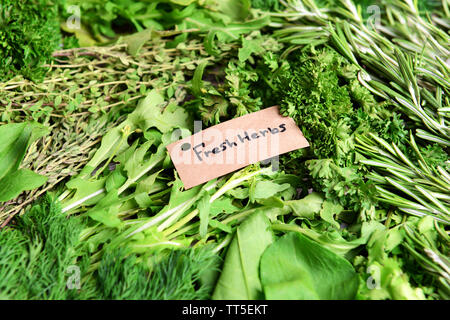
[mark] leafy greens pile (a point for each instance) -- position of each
(362, 213)
(29, 33)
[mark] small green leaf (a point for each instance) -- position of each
(219, 225)
(136, 40)
(197, 82)
(266, 189)
(86, 189)
(114, 180)
(105, 211)
(150, 113)
(13, 184)
(308, 206)
(249, 47)
(222, 205)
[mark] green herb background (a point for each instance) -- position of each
(85, 179)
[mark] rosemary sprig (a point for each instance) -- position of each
(414, 187)
(401, 52)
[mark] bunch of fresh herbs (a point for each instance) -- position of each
(29, 33)
(361, 214)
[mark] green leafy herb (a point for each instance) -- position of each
(294, 267)
(240, 274)
(14, 141)
(29, 33)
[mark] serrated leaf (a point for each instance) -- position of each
(150, 113)
(137, 166)
(222, 205)
(249, 47)
(329, 210)
(86, 189)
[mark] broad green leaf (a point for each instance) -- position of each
(83, 35)
(144, 187)
(394, 238)
(37, 131)
(308, 206)
(175, 135)
(275, 202)
(376, 243)
(143, 200)
(204, 212)
(332, 239)
(13, 154)
(425, 224)
(146, 184)
(9, 133)
(14, 141)
(297, 268)
(266, 189)
(238, 193)
(153, 135)
(14, 183)
(178, 197)
(239, 279)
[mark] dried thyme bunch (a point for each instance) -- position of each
(84, 95)
(57, 156)
(96, 79)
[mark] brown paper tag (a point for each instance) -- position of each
(234, 144)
